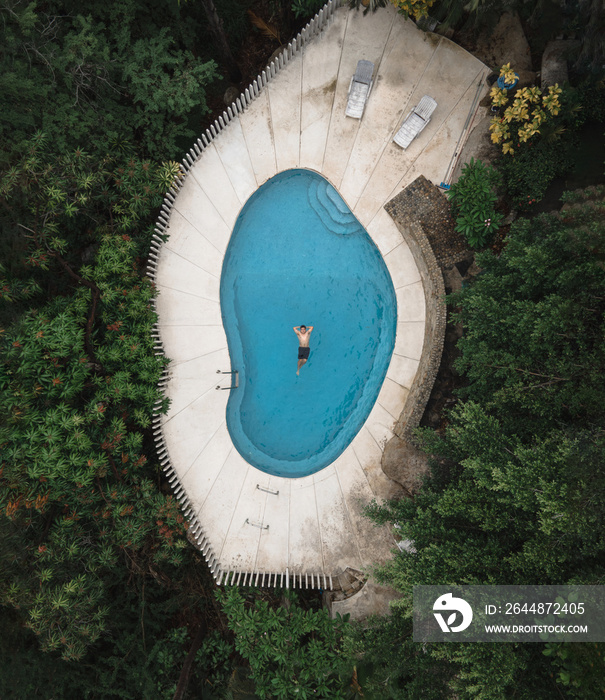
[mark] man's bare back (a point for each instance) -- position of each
(303, 334)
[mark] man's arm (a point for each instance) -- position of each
(309, 329)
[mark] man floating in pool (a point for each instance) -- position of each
(303, 334)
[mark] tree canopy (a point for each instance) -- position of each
(517, 491)
(101, 78)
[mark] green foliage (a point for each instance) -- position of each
(532, 348)
(78, 383)
(390, 665)
(474, 200)
(512, 513)
(528, 175)
(497, 671)
(141, 656)
(596, 192)
(61, 195)
(592, 97)
(305, 9)
(516, 493)
(17, 289)
(165, 86)
(579, 668)
(292, 652)
(72, 457)
(106, 77)
(213, 658)
(534, 162)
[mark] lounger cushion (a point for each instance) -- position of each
(357, 100)
(361, 84)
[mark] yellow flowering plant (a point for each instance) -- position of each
(500, 131)
(529, 110)
(508, 74)
(551, 101)
(499, 96)
(413, 8)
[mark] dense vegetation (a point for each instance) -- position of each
(517, 489)
(117, 75)
(473, 200)
(101, 595)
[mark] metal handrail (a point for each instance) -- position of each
(233, 386)
(267, 490)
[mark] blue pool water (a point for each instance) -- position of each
(297, 255)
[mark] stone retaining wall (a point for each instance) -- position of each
(422, 215)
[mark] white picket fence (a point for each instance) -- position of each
(283, 578)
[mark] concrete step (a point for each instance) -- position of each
(331, 209)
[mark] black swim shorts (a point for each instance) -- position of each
(303, 353)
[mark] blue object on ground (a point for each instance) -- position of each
(507, 86)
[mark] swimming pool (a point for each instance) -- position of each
(297, 255)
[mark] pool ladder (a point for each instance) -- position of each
(234, 380)
(256, 523)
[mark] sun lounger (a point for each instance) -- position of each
(415, 122)
(359, 89)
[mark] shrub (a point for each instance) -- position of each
(413, 8)
(537, 132)
(292, 652)
(303, 9)
(527, 176)
(474, 200)
(592, 96)
(417, 9)
(522, 119)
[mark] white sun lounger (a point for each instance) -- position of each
(359, 89)
(415, 122)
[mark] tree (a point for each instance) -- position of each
(516, 494)
(390, 665)
(106, 79)
(292, 652)
(532, 347)
(78, 384)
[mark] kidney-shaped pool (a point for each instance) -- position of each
(297, 255)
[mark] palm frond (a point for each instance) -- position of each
(269, 30)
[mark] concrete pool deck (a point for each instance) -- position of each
(248, 523)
